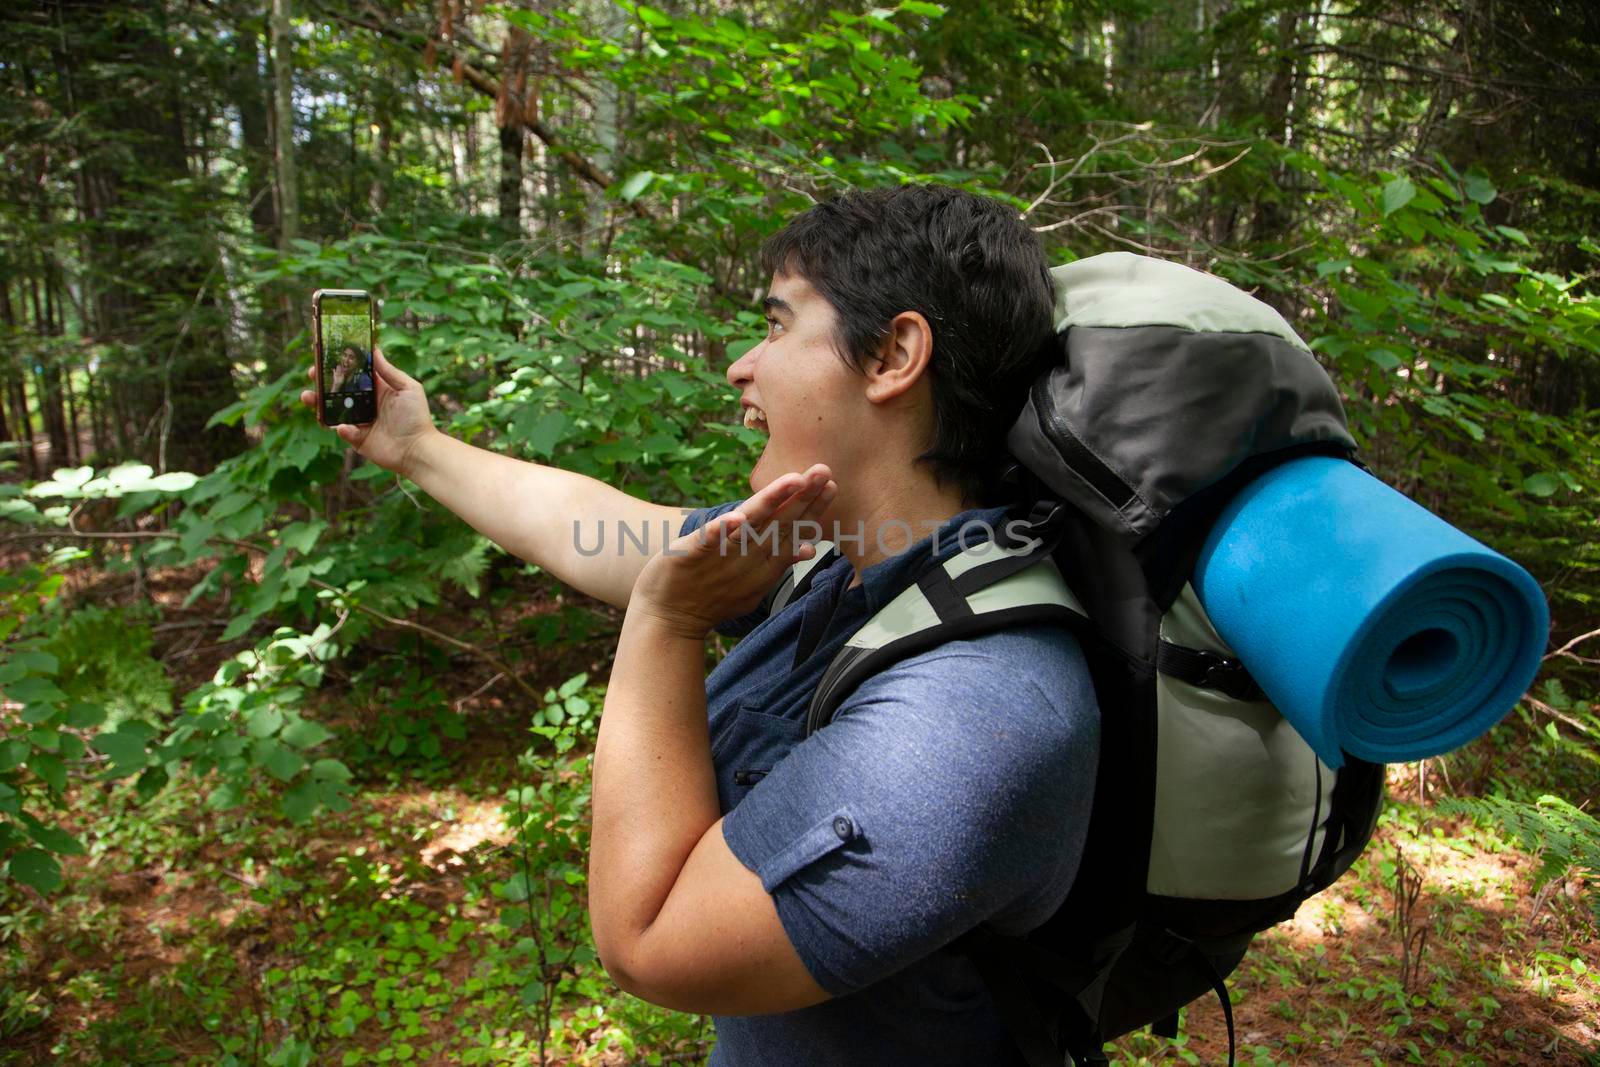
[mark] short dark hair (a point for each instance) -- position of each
(971, 267)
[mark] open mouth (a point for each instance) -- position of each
(755, 419)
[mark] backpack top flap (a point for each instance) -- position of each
(1170, 380)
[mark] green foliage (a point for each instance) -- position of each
(413, 724)
(1432, 316)
(46, 735)
(573, 708)
(1566, 838)
(245, 727)
(1453, 301)
(104, 659)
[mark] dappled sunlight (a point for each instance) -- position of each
(476, 823)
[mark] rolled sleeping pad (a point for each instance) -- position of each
(1374, 626)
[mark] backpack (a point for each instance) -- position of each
(1212, 818)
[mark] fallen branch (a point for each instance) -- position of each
(1566, 649)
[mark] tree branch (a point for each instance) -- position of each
(487, 85)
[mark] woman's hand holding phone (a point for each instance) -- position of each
(403, 420)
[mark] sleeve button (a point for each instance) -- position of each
(843, 828)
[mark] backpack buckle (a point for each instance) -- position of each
(1043, 522)
(1226, 675)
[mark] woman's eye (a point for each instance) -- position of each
(773, 326)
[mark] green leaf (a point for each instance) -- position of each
(34, 691)
(1514, 234)
(36, 661)
(56, 840)
(264, 721)
(651, 17)
(301, 536)
(84, 716)
(231, 504)
(37, 713)
(1383, 358)
(171, 482)
(303, 733)
(773, 118)
(635, 185)
(330, 770)
(541, 431)
(285, 763)
(1397, 194)
(13, 753)
(227, 795)
(50, 770)
(36, 867)
(19, 511)
(300, 801)
(1478, 187)
(302, 448)
(572, 685)
(1541, 484)
(916, 7)
(1332, 266)
(151, 781)
(125, 747)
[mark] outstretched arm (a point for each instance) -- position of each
(567, 523)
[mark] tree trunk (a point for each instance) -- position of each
(250, 97)
(169, 369)
(283, 128)
(17, 428)
(511, 107)
(18, 396)
(383, 119)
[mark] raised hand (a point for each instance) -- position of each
(723, 569)
(403, 419)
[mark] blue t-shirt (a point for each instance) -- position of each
(952, 789)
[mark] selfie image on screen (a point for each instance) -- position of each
(347, 345)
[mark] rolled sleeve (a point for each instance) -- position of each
(952, 789)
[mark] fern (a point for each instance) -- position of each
(1563, 836)
(106, 660)
(465, 568)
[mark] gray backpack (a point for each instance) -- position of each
(1212, 818)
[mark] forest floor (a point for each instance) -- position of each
(409, 928)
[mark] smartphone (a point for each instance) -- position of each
(345, 328)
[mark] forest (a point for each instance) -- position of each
(294, 763)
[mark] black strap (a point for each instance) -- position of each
(942, 594)
(817, 614)
(1221, 988)
(788, 590)
(986, 574)
(1311, 837)
(1016, 1003)
(852, 664)
(1208, 670)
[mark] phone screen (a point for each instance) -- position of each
(348, 389)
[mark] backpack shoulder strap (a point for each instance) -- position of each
(797, 579)
(982, 589)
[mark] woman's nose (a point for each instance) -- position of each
(741, 369)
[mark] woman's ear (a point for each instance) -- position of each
(903, 357)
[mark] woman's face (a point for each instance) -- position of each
(797, 388)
